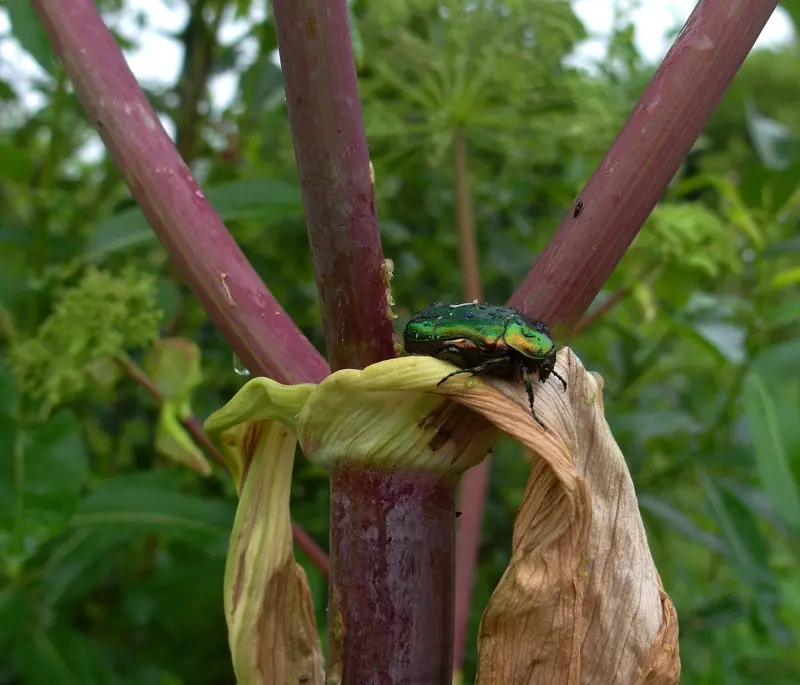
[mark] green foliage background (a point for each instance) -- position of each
(112, 554)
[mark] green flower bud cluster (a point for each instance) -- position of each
(693, 237)
(98, 318)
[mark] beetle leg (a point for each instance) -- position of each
(526, 378)
(563, 382)
(475, 369)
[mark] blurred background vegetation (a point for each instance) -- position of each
(113, 542)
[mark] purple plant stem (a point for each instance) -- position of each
(392, 534)
(391, 597)
(333, 163)
(568, 274)
(239, 304)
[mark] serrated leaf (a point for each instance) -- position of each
(772, 412)
(252, 198)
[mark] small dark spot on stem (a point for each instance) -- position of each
(578, 208)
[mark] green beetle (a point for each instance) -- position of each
(484, 339)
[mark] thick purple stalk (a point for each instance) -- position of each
(607, 215)
(391, 598)
(241, 307)
(330, 146)
(392, 534)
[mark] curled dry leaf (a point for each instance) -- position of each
(271, 627)
(581, 600)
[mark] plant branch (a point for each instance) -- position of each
(241, 307)
(302, 539)
(475, 482)
(199, 40)
(333, 164)
(608, 213)
(591, 318)
(468, 249)
(392, 533)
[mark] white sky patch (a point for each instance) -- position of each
(157, 59)
(654, 20)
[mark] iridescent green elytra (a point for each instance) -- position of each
(483, 338)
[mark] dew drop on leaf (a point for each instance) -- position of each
(239, 367)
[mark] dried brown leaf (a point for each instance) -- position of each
(581, 600)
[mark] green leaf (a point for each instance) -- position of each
(29, 32)
(786, 314)
(775, 143)
(756, 500)
(714, 614)
(792, 8)
(81, 561)
(144, 505)
(747, 546)
(355, 35)
(6, 92)
(15, 611)
(772, 408)
(252, 198)
(668, 514)
(688, 330)
(41, 475)
(728, 339)
(768, 188)
(750, 552)
(655, 424)
(17, 164)
(8, 392)
(781, 361)
(62, 656)
(783, 247)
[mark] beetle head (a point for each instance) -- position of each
(530, 342)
